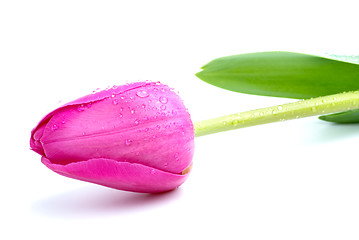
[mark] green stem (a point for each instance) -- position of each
(306, 108)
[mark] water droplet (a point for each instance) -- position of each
(235, 122)
(280, 108)
(122, 97)
(128, 142)
(146, 129)
(54, 127)
(158, 127)
(113, 95)
(143, 105)
(163, 100)
(115, 101)
(81, 108)
(174, 113)
(63, 122)
(132, 111)
(137, 121)
(163, 107)
(121, 115)
(153, 171)
(167, 126)
(121, 109)
(142, 93)
(314, 109)
(83, 133)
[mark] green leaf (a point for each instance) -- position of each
(281, 74)
(286, 74)
(343, 117)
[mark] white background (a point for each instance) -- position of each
(288, 180)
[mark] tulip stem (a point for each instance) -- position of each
(305, 108)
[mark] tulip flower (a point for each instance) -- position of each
(137, 137)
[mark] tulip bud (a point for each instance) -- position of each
(136, 137)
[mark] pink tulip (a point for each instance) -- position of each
(136, 137)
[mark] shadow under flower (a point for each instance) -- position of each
(96, 201)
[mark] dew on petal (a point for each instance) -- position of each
(142, 93)
(137, 121)
(163, 107)
(115, 101)
(163, 100)
(128, 142)
(81, 108)
(54, 127)
(132, 111)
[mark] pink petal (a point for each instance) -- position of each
(86, 100)
(119, 175)
(155, 130)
